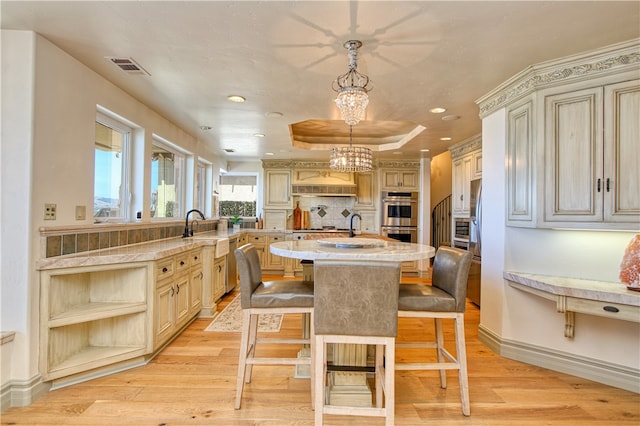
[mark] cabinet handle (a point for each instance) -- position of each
(611, 309)
(598, 185)
(460, 197)
(164, 269)
(178, 287)
(219, 268)
(607, 184)
(201, 275)
(172, 291)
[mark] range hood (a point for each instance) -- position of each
(323, 183)
(324, 190)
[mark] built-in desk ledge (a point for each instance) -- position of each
(601, 298)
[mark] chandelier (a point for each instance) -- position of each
(352, 88)
(351, 159)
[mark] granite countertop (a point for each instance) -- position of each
(154, 250)
(574, 287)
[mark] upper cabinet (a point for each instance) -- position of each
(572, 154)
(466, 159)
(365, 191)
(399, 175)
(277, 192)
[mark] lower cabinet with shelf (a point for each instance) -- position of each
(92, 317)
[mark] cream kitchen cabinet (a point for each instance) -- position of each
(173, 300)
(275, 219)
(219, 276)
(466, 158)
(591, 161)
(93, 316)
(365, 191)
(259, 241)
(274, 262)
(277, 193)
(399, 179)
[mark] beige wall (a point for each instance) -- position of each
(440, 177)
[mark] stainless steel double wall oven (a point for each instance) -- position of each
(400, 216)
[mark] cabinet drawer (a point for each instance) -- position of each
(196, 258)
(603, 309)
(275, 238)
(164, 268)
(257, 239)
(182, 262)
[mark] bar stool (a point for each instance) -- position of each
(356, 302)
(271, 297)
(445, 298)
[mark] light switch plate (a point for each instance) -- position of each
(81, 212)
(50, 211)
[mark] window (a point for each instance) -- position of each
(111, 173)
(200, 201)
(238, 195)
(167, 180)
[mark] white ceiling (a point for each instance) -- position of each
(283, 56)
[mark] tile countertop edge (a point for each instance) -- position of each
(574, 287)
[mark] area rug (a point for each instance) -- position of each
(230, 320)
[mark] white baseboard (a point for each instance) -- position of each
(20, 393)
(588, 368)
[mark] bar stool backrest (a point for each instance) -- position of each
(250, 272)
(356, 297)
(450, 273)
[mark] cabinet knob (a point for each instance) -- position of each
(164, 269)
(611, 309)
(195, 257)
(182, 263)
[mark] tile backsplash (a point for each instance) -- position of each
(327, 211)
(70, 242)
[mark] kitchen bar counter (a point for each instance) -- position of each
(606, 299)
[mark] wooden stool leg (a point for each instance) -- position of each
(320, 378)
(461, 354)
(389, 376)
(242, 359)
(253, 335)
(312, 365)
(378, 374)
(439, 349)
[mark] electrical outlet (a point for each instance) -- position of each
(50, 211)
(81, 212)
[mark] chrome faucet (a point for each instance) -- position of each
(351, 233)
(189, 232)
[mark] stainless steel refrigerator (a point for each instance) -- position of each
(475, 240)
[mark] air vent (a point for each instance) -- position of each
(229, 150)
(128, 65)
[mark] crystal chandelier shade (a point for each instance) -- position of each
(352, 88)
(351, 159)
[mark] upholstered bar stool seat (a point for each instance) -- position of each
(356, 302)
(271, 297)
(445, 298)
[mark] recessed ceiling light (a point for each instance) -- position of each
(445, 138)
(205, 128)
(451, 117)
(236, 98)
(424, 150)
(259, 135)
(269, 153)
(438, 110)
(274, 114)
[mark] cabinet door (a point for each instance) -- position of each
(520, 166)
(409, 179)
(273, 261)
(573, 156)
(275, 219)
(195, 294)
(163, 312)
(278, 189)
(182, 299)
(218, 278)
(390, 179)
(461, 178)
(365, 191)
(621, 179)
(476, 164)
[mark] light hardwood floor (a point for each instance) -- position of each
(192, 382)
